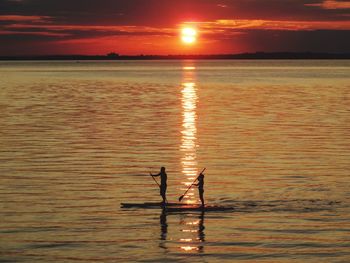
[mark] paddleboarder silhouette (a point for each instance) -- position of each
(163, 182)
(200, 185)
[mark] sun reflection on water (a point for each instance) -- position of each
(189, 248)
(189, 130)
(193, 228)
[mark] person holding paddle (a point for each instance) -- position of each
(163, 183)
(200, 185)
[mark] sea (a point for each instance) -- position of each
(78, 138)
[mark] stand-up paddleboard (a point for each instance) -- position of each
(207, 208)
(148, 205)
(177, 207)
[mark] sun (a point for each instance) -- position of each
(188, 35)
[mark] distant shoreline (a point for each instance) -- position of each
(257, 55)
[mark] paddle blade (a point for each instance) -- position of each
(181, 197)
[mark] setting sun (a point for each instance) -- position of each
(188, 35)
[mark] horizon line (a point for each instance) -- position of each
(246, 55)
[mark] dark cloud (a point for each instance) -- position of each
(163, 13)
(298, 41)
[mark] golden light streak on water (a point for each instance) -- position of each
(193, 223)
(189, 231)
(189, 248)
(189, 130)
(186, 239)
(193, 228)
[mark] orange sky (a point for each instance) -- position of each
(153, 27)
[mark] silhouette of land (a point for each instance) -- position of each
(257, 55)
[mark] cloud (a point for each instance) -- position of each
(169, 12)
(33, 33)
(332, 4)
(244, 24)
(79, 32)
(223, 28)
(23, 18)
(131, 29)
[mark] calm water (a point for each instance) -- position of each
(77, 139)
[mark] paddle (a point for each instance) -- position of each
(154, 179)
(181, 197)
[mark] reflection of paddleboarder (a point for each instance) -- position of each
(201, 234)
(163, 184)
(163, 225)
(163, 229)
(201, 187)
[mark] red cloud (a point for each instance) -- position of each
(221, 26)
(126, 29)
(48, 34)
(19, 18)
(332, 4)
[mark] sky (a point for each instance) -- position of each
(134, 27)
